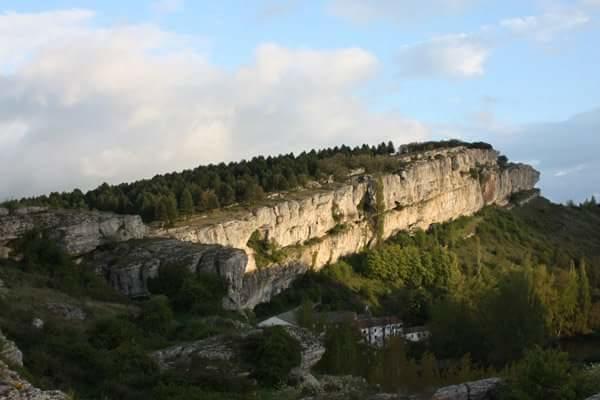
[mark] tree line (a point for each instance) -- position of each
(168, 196)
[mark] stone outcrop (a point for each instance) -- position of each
(479, 390)
(13, 387)
(10, 352)
(128, 266)
(77, 231)
(319, 226)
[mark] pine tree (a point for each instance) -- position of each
(186, 203)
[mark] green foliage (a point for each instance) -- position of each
(165, 197)
(266, 252)
(45, 258)
(344, 352)
(272, 354)
(196, 293)
(157, 316)
(186, 202)
(438, 145)
(542, 374)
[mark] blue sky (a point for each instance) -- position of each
(96, 91)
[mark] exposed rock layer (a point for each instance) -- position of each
(479, 390)
(78, 232)
(319, 227)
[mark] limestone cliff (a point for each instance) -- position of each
(318, 227)
(77, 231)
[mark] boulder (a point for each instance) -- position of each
(67, 311)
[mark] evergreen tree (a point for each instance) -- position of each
(186, 203)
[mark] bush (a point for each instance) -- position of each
(157, 315)
(542, 374)
(199, 293)
(273, 354)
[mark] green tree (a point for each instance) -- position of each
(186, 203)
(342, 351)
(273, 354)
(512, 311)
(542, 374)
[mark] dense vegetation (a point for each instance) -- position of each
(169, 196)
(497, 290)
(107, 355)
(490, 288)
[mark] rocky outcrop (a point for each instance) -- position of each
(479, 390)
(318, 227)
(9, 351)
(67, 311)
(128, 266)
(77, 231)
(596, 397)
(13, 387)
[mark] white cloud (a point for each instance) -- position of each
(127, 102)
(548, 26)
(451, 56)
(168, 6)
(570, 170)
(364, 11)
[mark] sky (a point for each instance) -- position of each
(113, 91)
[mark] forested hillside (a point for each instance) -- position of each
(166, 197)
(490, 287)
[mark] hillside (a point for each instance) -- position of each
(90, 331)
(262, 247)
(449, 237)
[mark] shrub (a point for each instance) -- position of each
(273, 354)
(542, 374)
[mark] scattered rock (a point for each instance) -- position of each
(37, 323)
(67, 311)
(596, 397)
(479, 390)
(4, 211)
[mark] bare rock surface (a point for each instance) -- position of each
(13, 387)
(77, 231)
(479, 390)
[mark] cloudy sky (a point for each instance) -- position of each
(94, 91)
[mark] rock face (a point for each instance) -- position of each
(320, 226)
(479, 390)
(78, 232)
(128, 266)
